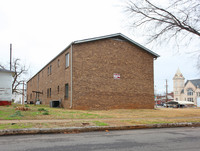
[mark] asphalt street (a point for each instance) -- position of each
(165, 139)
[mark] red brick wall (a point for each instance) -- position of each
(94, 87)
(60, 75)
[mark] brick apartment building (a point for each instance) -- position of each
(107, 72)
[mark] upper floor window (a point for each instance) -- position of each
(49, 70)
(198, 93)
(189, 91)
(67, 60)
(58, 62)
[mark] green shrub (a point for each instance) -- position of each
(41, 109)
(46, 113)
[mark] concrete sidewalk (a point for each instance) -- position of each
(92, 128)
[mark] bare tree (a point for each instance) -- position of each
(19, 70)
(178, 19)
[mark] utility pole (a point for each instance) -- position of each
(166, 91)
(10, 57)
(23, 94)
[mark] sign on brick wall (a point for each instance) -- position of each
(116, 75)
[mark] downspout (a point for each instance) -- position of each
(71, 76)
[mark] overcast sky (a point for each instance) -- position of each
(41, 29)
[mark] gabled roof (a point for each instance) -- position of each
(195, 82)
(119, 36)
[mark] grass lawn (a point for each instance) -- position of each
(91, 117)
(38, 113)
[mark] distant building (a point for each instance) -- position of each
(162, 99)
(186, 91)
(6, 78)
(107, 72)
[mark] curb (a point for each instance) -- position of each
(92, 128)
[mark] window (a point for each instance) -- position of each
(66, 91)
(58, 62)
(58, 88)
(198, 93)
(48, 71)
(189, 91)
(49, 92)
(190, 99)
(67, 60)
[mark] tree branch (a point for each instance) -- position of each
(150, 15)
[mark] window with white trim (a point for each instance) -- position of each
(190, 99)
(67, 60)
(189, 92)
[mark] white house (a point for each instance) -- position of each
(6, 78)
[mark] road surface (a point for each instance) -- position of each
(166, 139)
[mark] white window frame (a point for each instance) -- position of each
(190, 92)
(67, 60)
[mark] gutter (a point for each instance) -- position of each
(71, 101)
(92, 128)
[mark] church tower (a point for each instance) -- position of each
(178, 85)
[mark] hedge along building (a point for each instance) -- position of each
(107, 72)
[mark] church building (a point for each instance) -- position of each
(186, 91)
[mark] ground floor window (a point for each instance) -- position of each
(58, 89)
(66, 90)
(49, 93)
(190, 99)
